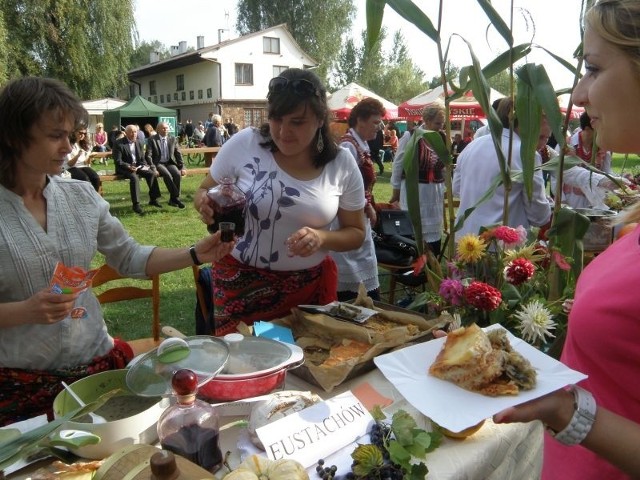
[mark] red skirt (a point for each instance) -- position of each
(26, 394)
(243, 293)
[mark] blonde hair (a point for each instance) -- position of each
(618, 23)
(99, 125)
(431, 111)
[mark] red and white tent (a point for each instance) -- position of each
(563, 101)
(343, 100)
(464, 107)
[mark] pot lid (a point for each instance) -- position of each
(151, 374)
(595, 212)
(254, 356)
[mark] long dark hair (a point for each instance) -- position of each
(286, 101)
(22, 104)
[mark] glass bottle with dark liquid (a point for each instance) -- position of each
(190, 428)
(228, 205)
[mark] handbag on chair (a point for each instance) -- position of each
(393, 239)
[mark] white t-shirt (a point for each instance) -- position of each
(477, 168)
(278, 204)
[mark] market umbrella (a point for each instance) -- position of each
(464, 107)
(563, 101)
(343, 100)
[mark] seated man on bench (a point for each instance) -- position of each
(163, 152)
(130, 163)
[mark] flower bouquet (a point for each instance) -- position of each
(498, 276)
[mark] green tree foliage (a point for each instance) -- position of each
(85, 43)
(392, 74)
(141, 54)
(450, 71)
(501, 82)
(3, 49)
(347, 68)
(317, 26)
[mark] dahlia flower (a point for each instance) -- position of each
(482, 296)
(471, 248)
(536, 322)
(518, 271)
(451, 291)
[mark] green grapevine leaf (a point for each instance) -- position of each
(399, 455)
(367, 458)
(435, 441)
(402, 425)
(418, 472)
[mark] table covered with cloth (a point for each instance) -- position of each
(495, 452)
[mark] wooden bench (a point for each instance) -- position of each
(190, 171)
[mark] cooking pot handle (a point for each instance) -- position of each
(297, 356)
(73, 439)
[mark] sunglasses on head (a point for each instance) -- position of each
(82, 133)
(301, 87)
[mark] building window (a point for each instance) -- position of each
(161, 98)
(179, 83)
(278, 69)
(271, 45)
(149, 98)
(184, 95)
(254, 117)
(175, 96)
(209, 93)
(155, 99)
(168, 97)
(200, 94)
(244, 74)
(152, 87)
(191, 95)
(132, 91)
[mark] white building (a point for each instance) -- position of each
(229, 78)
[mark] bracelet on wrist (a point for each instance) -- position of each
(194, 256)
(582, 420)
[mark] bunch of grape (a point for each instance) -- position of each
(380, 435)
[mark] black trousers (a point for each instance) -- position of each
(134, 184)
(171, 176)
(86, 174)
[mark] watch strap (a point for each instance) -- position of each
(582, 420)
(194, 257)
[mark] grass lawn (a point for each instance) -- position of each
(169, 227)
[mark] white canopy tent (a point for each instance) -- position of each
(95, 108)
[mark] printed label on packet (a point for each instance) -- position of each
(71, 280)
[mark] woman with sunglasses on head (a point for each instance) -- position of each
(78, 162)
(603, 414)
(47, 335)
(296, 181)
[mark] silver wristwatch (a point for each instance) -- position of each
(582, 420)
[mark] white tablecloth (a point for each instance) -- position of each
(495, 452)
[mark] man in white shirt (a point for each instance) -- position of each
(477, 168)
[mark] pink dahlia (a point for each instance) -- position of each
(451, 291)
(483, 296)
(519, 271)
(508, 235)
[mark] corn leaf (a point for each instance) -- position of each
(34, 440)
(410, 12)
(375, 12)
(496, 21)
(529, 114)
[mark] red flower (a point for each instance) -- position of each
(519, 271)
(419, 263)
(506, 234)
(560, 260)
(482, 296)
